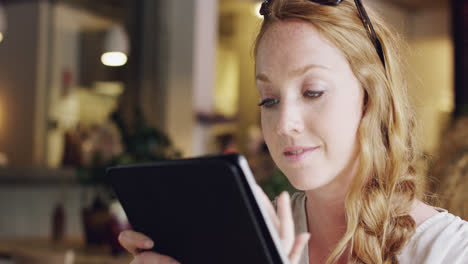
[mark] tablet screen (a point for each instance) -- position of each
(198, 210)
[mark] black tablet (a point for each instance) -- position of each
(199, 210)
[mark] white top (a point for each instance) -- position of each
(442, 238)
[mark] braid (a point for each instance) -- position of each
(388, 182)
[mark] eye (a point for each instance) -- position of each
(269, 102)
(313, 94)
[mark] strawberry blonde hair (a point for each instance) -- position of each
(388, 181)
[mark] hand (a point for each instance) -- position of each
(135, 242)
(284, 224)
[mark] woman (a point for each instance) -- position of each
(336, 119)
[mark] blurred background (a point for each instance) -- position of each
(89, 84)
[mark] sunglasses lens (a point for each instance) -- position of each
(326, 2)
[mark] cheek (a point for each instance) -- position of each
(266, 127)
(335, 121)
(268, 130)
(343, 119)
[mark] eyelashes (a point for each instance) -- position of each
(269, 102)
(313, 94)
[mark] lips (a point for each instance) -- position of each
(297, 153)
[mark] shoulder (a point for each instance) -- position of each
(420, 212)
(441, 238)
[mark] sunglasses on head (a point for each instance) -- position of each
(265, 10)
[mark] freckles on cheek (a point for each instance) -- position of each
(267, 130)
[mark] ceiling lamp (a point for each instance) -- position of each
(115, 47)
(3, 22)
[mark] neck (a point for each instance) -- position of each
(325, 208)
(326, 219)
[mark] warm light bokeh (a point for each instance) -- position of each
(114, 58)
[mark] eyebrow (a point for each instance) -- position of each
(297, 72)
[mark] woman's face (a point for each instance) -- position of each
(312, 104)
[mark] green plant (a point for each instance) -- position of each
(141, 144)
(276, 184)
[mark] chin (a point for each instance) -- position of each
(307, 180)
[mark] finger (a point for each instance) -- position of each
(268, 206)
(286, 221)
(299, 244)
(153, 258)
(133, 241)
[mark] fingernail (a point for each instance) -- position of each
(148, 243)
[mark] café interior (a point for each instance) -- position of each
(86, 84)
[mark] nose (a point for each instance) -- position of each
(290, 121)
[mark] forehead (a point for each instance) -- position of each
(292, 43)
